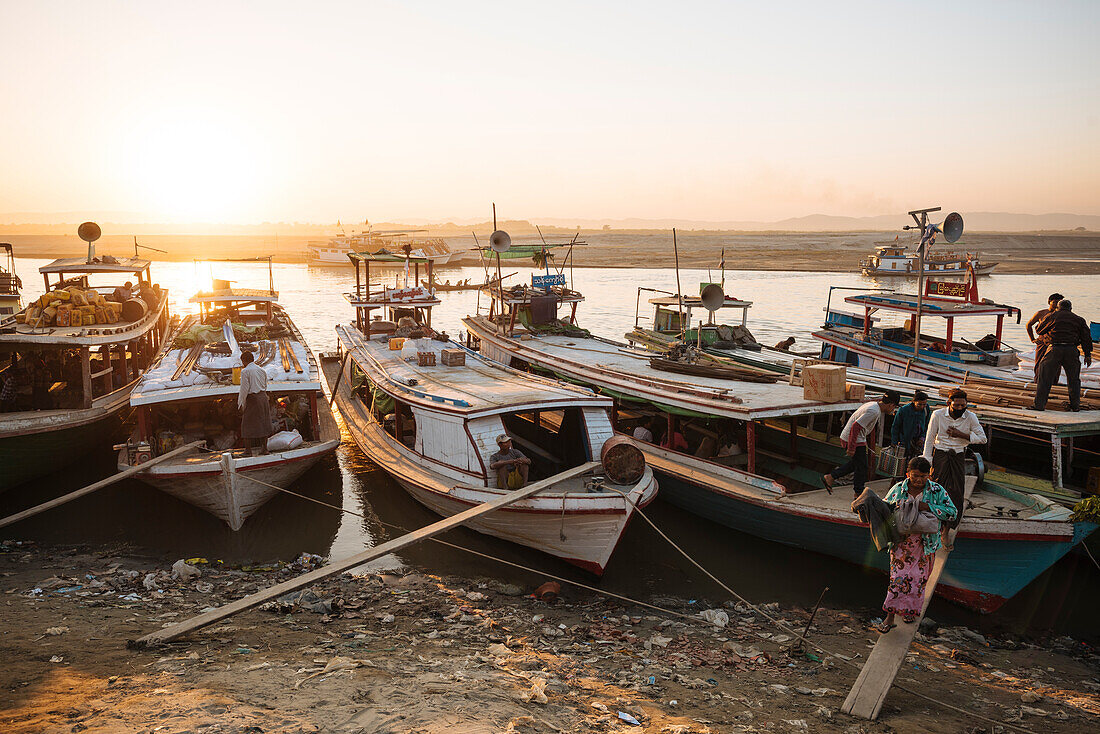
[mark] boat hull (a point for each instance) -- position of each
(984, 570)
(27, 456)
(234, 487)
(580, 528)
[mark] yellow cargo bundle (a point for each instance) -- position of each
(78, 297)
(87, 314)
(61, 295)
(64, 316)
(76, 318)
(48, 314)
(114, 312)
(97, 298)
(101, 314)
(21, 317)
(32, 313)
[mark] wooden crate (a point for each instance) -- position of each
(453, 357)
(824, 383)
(425, 359)
(854, 391)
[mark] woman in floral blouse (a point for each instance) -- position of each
(911, 559)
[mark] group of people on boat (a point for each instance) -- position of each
(933, 445)
(1058, 334)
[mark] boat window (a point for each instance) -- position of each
(554, 440)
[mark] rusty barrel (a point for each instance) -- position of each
(622, 460)
(134, 310)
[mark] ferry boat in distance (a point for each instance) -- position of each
(334, 252)
(894, 260)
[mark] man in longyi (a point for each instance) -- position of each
(951, 429)
(1067, 333)
(256, 411)
(1041, 342)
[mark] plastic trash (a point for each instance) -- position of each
(716, 617)
(537, 692)
(284, 441)
(181, 569)
(548, 592)
(629, 719)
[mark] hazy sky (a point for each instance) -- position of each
(251, 111)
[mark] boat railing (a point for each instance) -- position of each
(829, 299)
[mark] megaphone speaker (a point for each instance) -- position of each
(712, 297)
(952, 227)
(500, 241)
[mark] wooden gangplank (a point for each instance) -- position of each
(31, 511)
(882, 666)
(190, 625)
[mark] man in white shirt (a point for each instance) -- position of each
(252, 401)
(859, 435)
(950, 430)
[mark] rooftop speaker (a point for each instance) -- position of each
(952, 227)
(500, 241)
(89, 232)
(712, 297)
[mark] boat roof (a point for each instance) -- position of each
(931, 306)
(157, 385)
(478, 387)
(627, 371)
(697, 302)
(235, 294)
(98, 265)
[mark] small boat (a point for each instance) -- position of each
(10, 285)
(429, 412)
(853, 337)
(189, 394)
(334, 251)
(751, 456)
(893, 260)
(76, 357)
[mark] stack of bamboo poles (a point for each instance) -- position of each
(724, 368)
(987, 391)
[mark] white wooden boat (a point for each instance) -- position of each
(176, 404)
(334, 251)
(893, 260)
(434, 428)
(91, 368)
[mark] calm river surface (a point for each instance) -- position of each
(786, 304)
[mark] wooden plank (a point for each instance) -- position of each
(181, 628)
(882, 666)
(11, 519)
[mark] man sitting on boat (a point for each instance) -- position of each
(510, 464)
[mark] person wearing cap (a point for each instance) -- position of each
(1042, 343)
(510, 464)
(1067, 331)
(910, 424)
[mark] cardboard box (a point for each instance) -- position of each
(452, 357)
(855, 392)
(824, 383)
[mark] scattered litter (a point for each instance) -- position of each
(332, 666)
(57, 659)
(181, 569)
(548, 592)
(56, 630)
(537, 692)
(716, 617)
(629, 719)
(498, 650)
(475, 596)
(1027, 697)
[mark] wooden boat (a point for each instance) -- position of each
(76, 380)
(334, 251)
(188, 394)
(852, 338)
(433, 427)
(770, 485)
(10, 285)
(893, 260)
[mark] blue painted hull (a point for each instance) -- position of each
(982, 573)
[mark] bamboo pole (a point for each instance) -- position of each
(30, 512)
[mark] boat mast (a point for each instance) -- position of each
(951, 228)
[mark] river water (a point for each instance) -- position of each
(373, 508)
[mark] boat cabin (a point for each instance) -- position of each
(402, 301)
(9, 282)
(672, 316)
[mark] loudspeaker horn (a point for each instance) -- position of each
(712, 297)
(89, 232)
(500, 241)
(952, 227)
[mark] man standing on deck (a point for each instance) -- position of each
(1042, 343)
(1067, 331)
(950, 430)
(910, 424)
(510, 464)
(859, 436)
(252, 401)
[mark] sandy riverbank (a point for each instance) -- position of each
(421, 653)
(1067, 253)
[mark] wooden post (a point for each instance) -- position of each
(1056, 460)
(1000, 327)
(794, 440)
(866, 321)
(181, 628)
(670, 429)
(86, 375)
(750, 439)
(950, 331)
(314, 419)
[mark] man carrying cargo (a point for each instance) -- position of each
(1067, 331)
(1042, 343)
(859, 437)
(950, 430)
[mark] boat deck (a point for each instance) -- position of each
(479, 385)
(596, 359)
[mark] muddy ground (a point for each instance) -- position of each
(421, 653)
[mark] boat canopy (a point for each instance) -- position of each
(229, 295)
(104, 264)
(387, 256)
(931, 306)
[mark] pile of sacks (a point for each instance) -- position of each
(72, 306)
